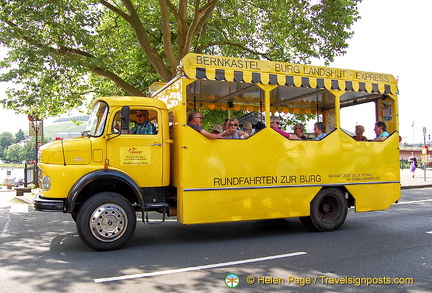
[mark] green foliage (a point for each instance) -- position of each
(212, 117)
(28, 152)
(287, 123)
(50, 78)
(63, 51)
(19, 136)
(6, 140)
(13, 153)
(17, 153)
(291, 31)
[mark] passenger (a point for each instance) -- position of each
(380, 130)
(233, 132)
(359, 130)
(247, 127)
(320, 130)
(275, 123)
(195, 120)
(298, 130)
(225, 124)
(116, 127)
(259, 126)
(217, 129)
(144, 126)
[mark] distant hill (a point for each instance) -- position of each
(65, 127)
(82, 118)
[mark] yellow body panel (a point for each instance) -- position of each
(268, 176)
(63, 178)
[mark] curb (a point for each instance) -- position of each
(416, 186)
(24, 199)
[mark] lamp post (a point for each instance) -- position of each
(36, 127)
(425, 153)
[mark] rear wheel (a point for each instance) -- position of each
(328, 210)
(106, 221)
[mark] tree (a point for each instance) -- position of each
(19, 136)
(28, 152)
(18, 153)
(63, 50)
(13, 153)
(212, 117)
(6, 140)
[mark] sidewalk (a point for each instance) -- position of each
(8, 196)
(418, 181)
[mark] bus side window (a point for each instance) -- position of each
(116, 126)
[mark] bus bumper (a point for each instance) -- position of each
(48, 205)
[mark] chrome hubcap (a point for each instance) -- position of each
(108, 222)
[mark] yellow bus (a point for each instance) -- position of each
(177, 171)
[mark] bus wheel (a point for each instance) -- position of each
(106, 221)
(328, 210)
(74, 216)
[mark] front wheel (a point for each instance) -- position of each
(106, 221)
(328, 210)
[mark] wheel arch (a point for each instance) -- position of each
(99, 181)
(349, 197)
(328, 208)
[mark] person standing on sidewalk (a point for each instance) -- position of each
(413, 163)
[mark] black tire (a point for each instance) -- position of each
(328, 210)
(307, 221)
(74, 216)
(106, 221)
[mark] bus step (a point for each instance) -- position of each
(160, 207)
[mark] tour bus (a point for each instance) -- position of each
(109, 174)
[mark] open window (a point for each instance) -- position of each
(142, 121)
(227, 96)
(364, 110)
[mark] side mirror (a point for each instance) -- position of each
(125, 119)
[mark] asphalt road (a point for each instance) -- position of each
(41, 252)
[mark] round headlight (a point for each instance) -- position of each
(46, 183)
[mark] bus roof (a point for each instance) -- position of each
(198, 66)
(132, 101)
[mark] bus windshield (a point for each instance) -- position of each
(97, 120)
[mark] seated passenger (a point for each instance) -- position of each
(275, 123)
(380, 130)
(144, 126)
(247, 127)
(298, 130)
(359, 130)
(217, 129)
(116, 127)
(259, 126)
(225, 124)
(233, 132)
(194, 121)
(319, 130)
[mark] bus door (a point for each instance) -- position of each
(138, 152)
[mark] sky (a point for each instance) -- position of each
(391, 37)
